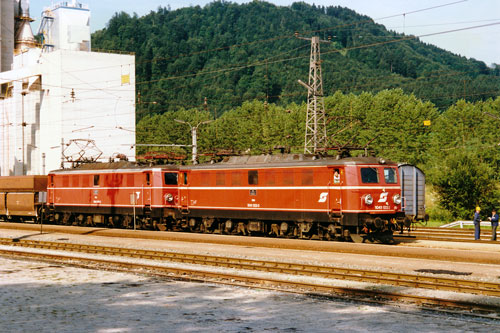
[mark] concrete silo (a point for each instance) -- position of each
(7, 34)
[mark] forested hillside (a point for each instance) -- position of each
(231, 53)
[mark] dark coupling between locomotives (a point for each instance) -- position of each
(293, 196)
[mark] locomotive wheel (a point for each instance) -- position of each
(194, 226)
(330, 232)
(226, 227)
(407, 222)
(378, 222)
(109, 222)
(117, 221)
(284, 229)
(241, 229)
(127, 221)
(275, 231)
(304, 235)
(66, 220)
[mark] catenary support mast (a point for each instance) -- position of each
(315, 136)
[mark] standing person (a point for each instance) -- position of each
(494, 224)
(477, 223)
(336, 177)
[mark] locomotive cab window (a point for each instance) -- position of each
(390, 176)
(253, 177)
(336, 176)
(369, 175)
(96, 180)
(170, 178)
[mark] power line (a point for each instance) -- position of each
(422, 10)
(284, 36)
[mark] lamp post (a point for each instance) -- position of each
(23, 125)
(194, 137)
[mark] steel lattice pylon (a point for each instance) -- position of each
(315, 136)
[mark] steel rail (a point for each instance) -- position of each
(312, 289)
(297, 269)
(446, 236)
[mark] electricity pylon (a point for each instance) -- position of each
(315, 136)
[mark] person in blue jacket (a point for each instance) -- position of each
(494, 224)
(477, 223)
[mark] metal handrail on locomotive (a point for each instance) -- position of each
(284, 195)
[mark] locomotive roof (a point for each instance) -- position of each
(121, 166)
(234, 162)
(286, 160)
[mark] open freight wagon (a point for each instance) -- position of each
(22, 197)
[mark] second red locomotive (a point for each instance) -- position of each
(280, 195)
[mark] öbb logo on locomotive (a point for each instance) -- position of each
(284, 195)
(323, 196)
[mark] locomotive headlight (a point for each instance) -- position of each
(169, 197)
(368, 199)
(397, 199)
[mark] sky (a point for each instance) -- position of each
(407, 16)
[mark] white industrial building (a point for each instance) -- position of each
(60, 101)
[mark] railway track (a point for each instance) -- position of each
(427, 233)
(299, 270)
(447, 235)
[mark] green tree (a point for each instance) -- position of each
(234, 53)
(464, 181)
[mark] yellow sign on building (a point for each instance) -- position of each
(126, 79)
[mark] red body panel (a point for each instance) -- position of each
(110, 188)
(298, 188)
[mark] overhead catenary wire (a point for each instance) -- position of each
(283, 36)
(287, 36)
(230, 69)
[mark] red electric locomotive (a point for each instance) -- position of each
(280, 195)
(112, 194)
